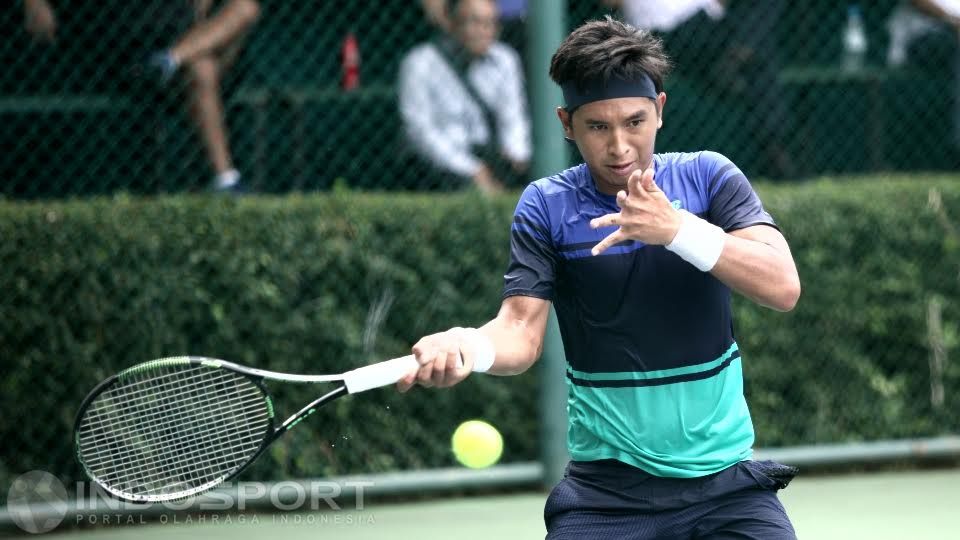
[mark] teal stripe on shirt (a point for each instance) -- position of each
(657, 374)
(681, 430)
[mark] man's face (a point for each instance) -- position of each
(615, 137)
(475, 25)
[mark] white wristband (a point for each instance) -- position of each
(698, 242)
(482, 347)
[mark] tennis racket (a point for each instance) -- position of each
(174, 427)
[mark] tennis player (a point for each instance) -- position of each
(638, 252)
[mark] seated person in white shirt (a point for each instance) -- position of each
(486, 144)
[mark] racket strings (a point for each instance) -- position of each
(172, 429)
(193, 452)
(118, 436)
(162, 422)
(190, 446)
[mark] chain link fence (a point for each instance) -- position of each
(309, 98)
(771, 84)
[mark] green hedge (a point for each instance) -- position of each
(291, 284)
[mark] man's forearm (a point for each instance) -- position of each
(517, 346)
(759, 271)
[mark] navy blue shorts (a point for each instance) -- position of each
(610, 499)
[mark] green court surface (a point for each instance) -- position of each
(877, 506)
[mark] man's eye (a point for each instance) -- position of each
(597, 127)
(636, 122)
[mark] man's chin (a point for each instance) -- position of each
(611, 185)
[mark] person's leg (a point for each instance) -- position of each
(610, 499)
(574, 511)
(755, 514)
(222, 37)
(225, 27)
(739, 502)
(206, 108)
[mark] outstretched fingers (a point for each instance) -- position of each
(646, 181)
(609, 220)
(613, 238)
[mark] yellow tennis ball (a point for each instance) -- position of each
(477, 444)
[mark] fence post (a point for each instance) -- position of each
(546, 30)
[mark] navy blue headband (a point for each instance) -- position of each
(598, 90)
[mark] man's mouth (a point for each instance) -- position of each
(621, 169)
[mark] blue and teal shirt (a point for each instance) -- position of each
(654, 373)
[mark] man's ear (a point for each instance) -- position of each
(565, 120)
(661, 103)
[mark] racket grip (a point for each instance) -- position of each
(379, 374)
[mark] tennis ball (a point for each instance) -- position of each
(477, 444)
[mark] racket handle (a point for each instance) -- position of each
(379, 374)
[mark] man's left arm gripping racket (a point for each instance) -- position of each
(174, 427)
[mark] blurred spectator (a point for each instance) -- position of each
(436, 12)
(40, 20)
(730, 47)
(513, 16)
(925, 34)
(206, 51)
(462, 101)
(207, 45)
(914, 20)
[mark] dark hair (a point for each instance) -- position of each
(609, 48)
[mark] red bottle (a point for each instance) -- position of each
(350, 60)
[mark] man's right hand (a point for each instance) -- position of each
(40, 20)
(485, 181)
(439, 356)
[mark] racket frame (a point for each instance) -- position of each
(256, 376)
